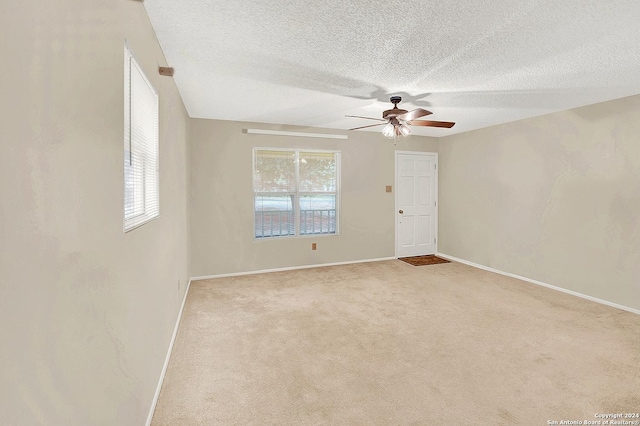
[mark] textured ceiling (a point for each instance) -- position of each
(477, 63)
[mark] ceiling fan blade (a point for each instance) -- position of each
(366, 118)
(412, 115)
(426, 123)
(364, 127)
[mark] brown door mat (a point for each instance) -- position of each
(429, 259)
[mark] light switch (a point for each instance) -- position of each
(388, 188)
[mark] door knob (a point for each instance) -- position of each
(400, 211)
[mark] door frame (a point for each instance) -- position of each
(395, 212)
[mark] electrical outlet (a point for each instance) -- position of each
(313, 246)
(388, 188)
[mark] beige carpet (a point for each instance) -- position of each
(389, 344)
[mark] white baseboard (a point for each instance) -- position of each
(289, 268)
(540, 283)
(167, 358)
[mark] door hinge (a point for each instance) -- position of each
(434, 241)
(435, 203)
(435, 166)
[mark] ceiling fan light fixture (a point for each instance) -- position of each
(389, 130)
(404, 130)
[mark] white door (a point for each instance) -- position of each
(416, 203)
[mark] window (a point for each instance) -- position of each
(295, 192)
(141, 192)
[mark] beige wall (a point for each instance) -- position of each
(554, 198)
(222, 201)
(87, 311)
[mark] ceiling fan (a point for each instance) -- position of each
(396, 121)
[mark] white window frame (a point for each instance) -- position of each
(297, 193)
(146, 182)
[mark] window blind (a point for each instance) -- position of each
(141, 186)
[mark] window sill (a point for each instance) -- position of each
(295, 237)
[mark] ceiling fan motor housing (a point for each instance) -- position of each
(392, 113)
(395, 111)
